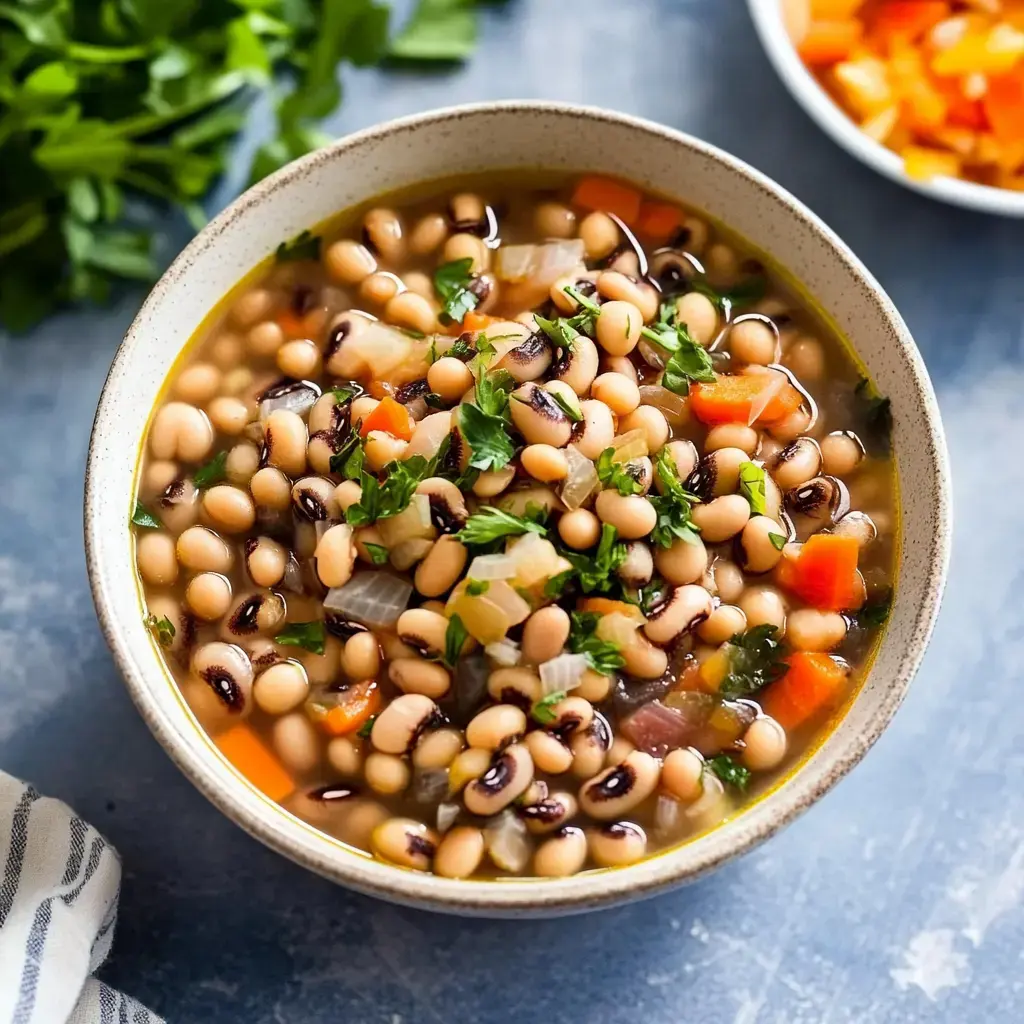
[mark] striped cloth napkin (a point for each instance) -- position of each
(59, 882)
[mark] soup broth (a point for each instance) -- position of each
(516, 525)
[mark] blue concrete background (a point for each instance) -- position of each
(899, 898)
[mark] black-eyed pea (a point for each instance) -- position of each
(405, 842)
(158, 475)
(618, 392)
(496, 727)
(841, 453)
(722, 624)
(463, 246)
(760, 545)
(577, 367)
(518, 685)
(420, 284)
(349, 262)
(202, 550)
(156, 558)
(721, 518)
(442, 567)
(753, 339)
(732, 435)
(682, 774)
(384, 234)
(858, 525)
(296, 741)
(507, 777)
(722, 264)
(363, 538)
(450, 378)
(645, 660)
(570, 715)
(763, 606)
(617, 844)
(360, 658)
(380, 287)
(618, 789)
(600, 235)
(815, 504)
(562, 855)
(590, 746)
(491, 482)
(545, 634)
(180, 431)
(381, 448)
(579, 529)
(699, 314)
(208, 596)
(796, 463)
(428, 234)
(229, 508)
(550, 754)
(386, 774)
(792, 426)
(596, 431)
(764, 744)
(615, 286)
(718, 473)
(618, 751)
(347, 494)
(728, 580)
(687, 607)
(321, 669)
(416, 676)
(241, 464)
(808, 629)
(253, 614)
(423, 630)
(254, 305)
(178, 506)
(631, 514)
(683, 562)
(281, 688)
(264, 339)
(554, 220)
(285, 439)
(538, 417)
(345, 756)
(313, 499)
(550, 813)
(409, 309)
(593, 687)
(637, 568)
(271, 489)
(806, 358)
(684, 458)
(362, 407)
(335, 556)
(460, 852)
(618, 327)
(198, 383)
(220, 685)
(470, 764)
(299, 358)
(544, 463)
(397, 728)
(653, 424)
(437, 749)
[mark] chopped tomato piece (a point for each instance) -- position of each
(812, 683)
(391, 417)
(609, 196)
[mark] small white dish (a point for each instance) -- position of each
(774, 36)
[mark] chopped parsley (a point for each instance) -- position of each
(143, 517)
(477, 587)
(378, 553)
(614, 474)
(343, 394)
(755, 660)
(543, 710)
(564, 331)
(461, 350)
(348, 459)
(729, 770)
(490, 523)
(877, 415)
(212, 472)
(433, 400)
(570, 408)
(366, 728)
(304, 246)
(778, 540)
(673, 507)
(162, 628)
(752, 487)
(384, 500)
(876, 610)
(602, 655)
(452, 282)
(310, 636)
(688, 359)
(746, 293)
(592, 573)
(484, 422)
(454, 639)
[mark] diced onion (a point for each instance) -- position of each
(675, 407)
(447, 814)
(508, 842)
(492, 567)
(430, 785)
(668, 817)
(712, 805)
(541, 264)
(618, 629)
(297, 398)
(506, 653)
(515, 262)
(629, 446)
(381, 347)
(535, 558)
(413, 523)
(766, 394)
(375, 599)
(562, 673)
(581, 481)
(514, 607)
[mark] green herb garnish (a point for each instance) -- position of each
(477, 587)
(876, 609)
(570, 408)
(304, 246)
(730, 771)
(688, 360)
(543, 710)
(602, 655)
(484, 422)
(490, 523)
(674, 506)
(348, 459)
(877, 413)
(143, 517)
(752, 486)
(755, 660)
(378, 553)
(452, 281)
(592, 573)
(343, 394)
(384, 500)
(212, 472)
(461, 350)
(615, 474)
(363, 732)
(778, 540)
(162, 628)
(310, 636)
(454, 639)
(725, 300)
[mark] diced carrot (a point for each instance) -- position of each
(255, 762)
(474, 321)
(825, 574)
(923, 164)
(812, 683)
(864, 84)
(829, 41)
(609, 196)
(606, 606)
(730, 400)
(291, 324)
(659, 221)
(830, 10)
(391, 417)
(361, 704)
(1004, 106)
(908, 19)
(994, 52)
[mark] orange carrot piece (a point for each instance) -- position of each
(255, 762)
(474, 321)
(606, 606)
(391, 417)
(658, 222)
(812, 683)
(787, 401)
(835, 9)
(1004, 106)
(291, 323)
(362, 704)
(826, 572)
(829, 41)
(730, 400)
(609, 196)
(908, 19)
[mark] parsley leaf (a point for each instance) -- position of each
(729, 770)
(143, 517)
(212, 472)
(615, 474)
(490, 523)
(477, 587)
(569, 407)
(602, 655)
(755, 660)
(304, 246)
(778, 540)
(543, 710)
(875, 611)
(383, 500)
(454, 639)
(378, 553)
(492, 391)
(162, 628)
(348, 459)
(452, 282)
(310, 636)
(593, 573)
(343, 394)
(673, 507)
(484, 422)
(752, 487)
(461, 350)
(688, 361)
(363, 732)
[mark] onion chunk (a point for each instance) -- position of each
(375, 599)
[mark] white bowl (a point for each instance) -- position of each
(512, 135)
(771, 29)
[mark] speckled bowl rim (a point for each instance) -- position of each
(591, 890)
(771, 30)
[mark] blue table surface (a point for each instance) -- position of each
(898, 898)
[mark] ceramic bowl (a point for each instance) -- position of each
(512, 135)
(771, 28)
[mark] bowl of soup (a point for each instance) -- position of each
(517, 527)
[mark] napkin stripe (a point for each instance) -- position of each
(16, 854)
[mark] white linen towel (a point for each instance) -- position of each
(59, 883)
